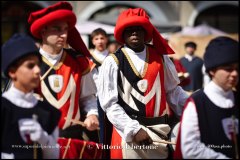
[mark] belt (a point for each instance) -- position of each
(147, 121)
(79, 132)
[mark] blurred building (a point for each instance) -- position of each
(167, 16)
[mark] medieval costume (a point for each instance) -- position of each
(210, 121)
(97, 58)
(66, 80)
(135, 87)
(29, 127)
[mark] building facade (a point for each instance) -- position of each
(167, 16)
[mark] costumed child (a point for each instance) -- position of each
(29, 126)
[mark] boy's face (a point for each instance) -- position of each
(226, 76)
(55, 34)
(100, 42)
(134, 37)
(26, 74)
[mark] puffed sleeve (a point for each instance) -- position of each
(176, 96)
(108, 97)
(88, 95)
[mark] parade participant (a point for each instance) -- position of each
(183, 75)
(29, 127)
(135, 83)
(209, 124)
(100, 52)
(66, 82)
(99, 40)
(193, 65)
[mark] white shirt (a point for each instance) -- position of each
(191, 144)
(53, 59)
(100, 56)
(189, 57)
(88, 89)
(28, 100)
(108, 92)
(19, 98)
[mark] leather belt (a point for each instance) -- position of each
(147, 121)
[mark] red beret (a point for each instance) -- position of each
(61, 11)
(139, 17)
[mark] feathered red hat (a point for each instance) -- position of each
(56, 12)
(139, 17)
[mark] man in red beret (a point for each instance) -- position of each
(137, 80)
(66, 82)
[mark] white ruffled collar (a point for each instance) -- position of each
(218, 96)
(19, 98)
(53, 59)
(101, 55)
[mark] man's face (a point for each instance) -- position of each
(134, 37)
(100, 42)
(226, 76)
(190, 50)
(55, 34)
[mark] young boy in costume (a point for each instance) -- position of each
(210, 121)
(29, 127)
(99, 40)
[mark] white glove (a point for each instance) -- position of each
(33, 128)
(7, 155)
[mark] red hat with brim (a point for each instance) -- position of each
(139, 17)
(61, 11)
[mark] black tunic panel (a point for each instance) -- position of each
(211, 128)
(12, 142)
(132, 78)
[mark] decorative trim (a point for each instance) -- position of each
(129, 91)
(132, 65)
(115, 58)
(65, 152)
(94, 56)
(69, 92)
(55, 67)
(81, 153)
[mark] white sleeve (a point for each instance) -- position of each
(95, 75)
(7, 155)
(191, 145)
(108, 97)
(176, 96)
(51, 149)
(88, 100)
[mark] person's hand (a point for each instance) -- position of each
(142, 138)
(33, 128)
(91, 122)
